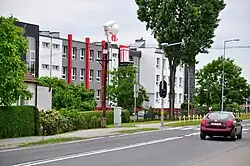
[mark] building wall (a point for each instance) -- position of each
(44, 58)
(78, 65)
(151, 69)
(31, 31)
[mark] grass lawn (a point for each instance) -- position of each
(182, 123)
(51, 141)
(131, 124)
(135, 130)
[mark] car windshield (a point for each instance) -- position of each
(218, 115)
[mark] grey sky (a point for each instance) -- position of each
(85, 18)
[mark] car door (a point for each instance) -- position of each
(237, 125)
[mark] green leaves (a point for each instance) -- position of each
(69, 96)
(12, 69)
(121, 90)
(209, 80)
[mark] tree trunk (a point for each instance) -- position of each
(172, 69)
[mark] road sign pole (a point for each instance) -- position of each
(162, 86)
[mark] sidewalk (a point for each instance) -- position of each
(14, 142)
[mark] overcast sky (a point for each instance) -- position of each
(84, 18)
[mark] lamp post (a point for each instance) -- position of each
(223, 71)
(162, 79)
(110, 28)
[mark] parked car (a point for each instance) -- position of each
(221, 123)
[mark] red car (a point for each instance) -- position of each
(221, 123)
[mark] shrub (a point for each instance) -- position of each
(110, 117)
(50, 121)
(125, 116)
(19, 121)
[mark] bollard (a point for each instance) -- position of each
(193, 117)
(189, 117)
(184, 118)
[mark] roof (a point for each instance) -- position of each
(29, 78)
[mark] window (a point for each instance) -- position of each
(73, 73)
(45, 66)
(91, 73)
(82, 71)
(64, 72)
(74, 53)
(98, 95)
(91, 57)
(98, 75)
(157, 79)
(114, 55)
(54, 67)
(157, 96)
(180, 97)
(65, 50)
(99, 55)
(180, 82)
(45, 44)
(32, 56)
(82, 53)
(56, 46)
(158, 62)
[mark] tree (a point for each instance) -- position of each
(12, 69)
(209, 80)
(190, 21)
(121, 90)
(69, 96)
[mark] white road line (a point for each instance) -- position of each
(192, 134)
(244, 132)
(245, 129)
(39, 162)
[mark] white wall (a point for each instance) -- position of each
(44, 57)
(149, 72)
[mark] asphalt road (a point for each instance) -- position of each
(167, 147)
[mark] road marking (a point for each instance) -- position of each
(192, 134)
(39, 162)
(245, 129)
(244, 132)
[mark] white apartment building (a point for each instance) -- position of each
(150, 71)
(47, 41)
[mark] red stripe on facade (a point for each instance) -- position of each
(103, 74)
(69, 58)
(87, 62)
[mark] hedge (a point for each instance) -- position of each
(19, 121)
(66, 120)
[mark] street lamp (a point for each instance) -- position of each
(223, 70)
(110, 28)
(162, 79)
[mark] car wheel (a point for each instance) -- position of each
(240, 135)
(202, 136)
(233, 136)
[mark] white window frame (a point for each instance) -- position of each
(98, 75)
(65, 48)
(157, 97)
(82, 74)
(180, 97)
(98, 94)
(64, 73)
(82, 53)
(56, 46)
(45, 66)
(73, 73)
(55, 67)
(157, 79)
(45, 44)
(91, 73)
(180, 81)
(91, 56)
(99, 55)
(158, 63)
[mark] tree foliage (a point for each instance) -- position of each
(69, 96)
(121, 90)
(209, 80)
(12, 69)
(190, 21)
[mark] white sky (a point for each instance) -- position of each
(84, 18)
